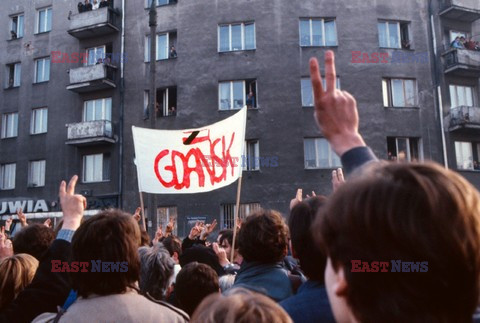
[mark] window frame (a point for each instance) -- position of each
(13, 124)
(106, 114)
(242, 33)
(471, 157)
(456, 88)
(227, 213)
(17, 71)
(332, 156)
(308, 81)
(105, 162)
(33, 118)
(324, 38)
(231, 95)
(388, 95)
(170, 2)
(387, 36)
(17, 30)
(37, 24)
(37, 60)
(170, 211)
(409, 147)
(148, 43)
(3, 168)
(246, 162)
(40, 177)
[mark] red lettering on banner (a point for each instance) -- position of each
(209, 162)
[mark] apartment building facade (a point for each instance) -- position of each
(225, 55)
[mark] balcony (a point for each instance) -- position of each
(90, 133)
(462, 62)
(92, 78)
(95, 23)
(462, 10)
(463, 118)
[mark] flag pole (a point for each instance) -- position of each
(235, 222)
(142, 206)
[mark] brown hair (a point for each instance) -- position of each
(263, 237)
(34, 239)
(408, 212)
(173, 244)
(240, 306)
(16, 272)
(110, 236)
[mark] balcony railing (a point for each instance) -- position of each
(92, 78)
(462, 10)
(94, 23)
(462, 62)
(89, 133)
(464, 118)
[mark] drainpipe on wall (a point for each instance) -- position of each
(122, 108)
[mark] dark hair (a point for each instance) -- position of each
(200, 253)
(144, 238)
(193, 283)
(312, 259)
(263, 237)
(408, 212)
(110, 236)
(156, 272)
(228, 235)
(34, 239)
(173, 244)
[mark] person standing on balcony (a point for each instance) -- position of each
(95, 5)
(88, 5)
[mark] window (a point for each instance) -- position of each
(95, 55)
(44, 20)
(42, 70)
(148, 3)
(36, 173)
(404, 149)
(236, 94)
(16, 26)
(307, 90)
(165, 42)
(461, 96)
(100, 109)
(392, 34)
(7, 176)
(233, 37)
(318, 32)
(251, 155)
(14, 72)
(319, 154)
(454, 34)
(399, 93)
(146, 102)
(96, 168)
(467, 155)
(39, 123)
(166, 102)
(227, 213)
(10, 125)
(164, 214)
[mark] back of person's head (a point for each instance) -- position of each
(239, 306)
(300, 223)
(144, 238)
(110, 236)
(263, 237)
(195, 282)
(16, 272)
(34, 239)
(203, 255)
(156, 271)
(396, 213)
(173, 244)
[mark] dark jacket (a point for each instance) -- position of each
(357, 157)
(310, 304)
(47, 290)
(269, 279)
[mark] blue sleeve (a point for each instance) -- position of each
(357, 157)
(65, 234)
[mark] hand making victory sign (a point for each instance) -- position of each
(335, 110)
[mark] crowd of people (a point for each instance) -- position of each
(321, 265)
(460, 42)
(88, 5)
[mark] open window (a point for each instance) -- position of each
(166, 102)
(13, 75)
(99, 55)
(394, 34)
(404, 149)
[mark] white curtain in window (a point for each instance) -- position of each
(330, 33)
(17, 74)
(309, 150)
(464, 156)
(410, 93)
(305, 32)
(236, 37)
(382, 34)
(162, 46)
(238, 95)
(317, 33)
(393, 34)
(397, 93)
(225, 96)
(307, 93)
(224, 38)
(249, 36)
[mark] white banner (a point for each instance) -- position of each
(190, 160)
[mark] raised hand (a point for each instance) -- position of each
(297, 199)
(337, 178)
(169, 227)
(22, 217)
(221, 254)
(158, 234)
(208, 229)
(313, 194)
(335, 111)
(136, 215)
(8, 223)
(195, 231)
(6, 249)
(48, 223)
(72, 204)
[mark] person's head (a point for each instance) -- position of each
(174, 246)
(156, 271)
(144, 238)
(239, 305)
(300, 223)
(110, 236)
(195, 282)
(419, 213)
(16, 272)
(263, 237)
(34, 239)
(201, 254)
(226, 240)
